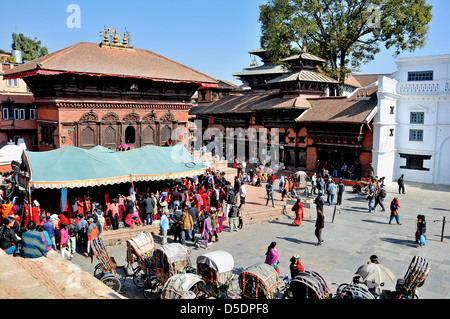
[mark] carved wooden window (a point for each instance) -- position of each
(88, 137)
(165, 134)
(148, 135)
(47, 135)
(110, 136)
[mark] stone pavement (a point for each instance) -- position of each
(349, 239)
(351, 235)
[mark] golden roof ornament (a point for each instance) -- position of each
(112, 39)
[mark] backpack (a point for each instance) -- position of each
(383, 193)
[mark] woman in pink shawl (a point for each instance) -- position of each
(272, 256)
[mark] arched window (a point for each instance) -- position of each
(130, 135)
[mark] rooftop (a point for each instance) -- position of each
(92, 59)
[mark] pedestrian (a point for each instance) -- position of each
(371, 199)
(314, 184)
(421, 229)
(296, 265)
(82, 227)
(113, 212)
(394, 211)
(50, 228)
(379, 197)
(232, 218)
(331, 190)
(321, 185)
(320, 220)
(92, 234)
(72, 241)
(206, 231)
(187, 225)
(242, 195)
(45, 237)
(64, 240)
(340, 192)
(269, 191)
(272, 257)
(164, 226)
(220, 218)
(214, 224)
(401, 184)
(298, 209)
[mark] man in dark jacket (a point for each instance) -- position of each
(320, 218)
(401, 184)
(8, 238)
(340, 193)
(232, 216)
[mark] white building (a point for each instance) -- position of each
(412, 124)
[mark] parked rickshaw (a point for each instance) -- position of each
(169, 260)
(183, 286)
(307, 284)
(107, 270)
(216, 270)
(140, 249)
(415, 277)
(259, 282)
(353, 291)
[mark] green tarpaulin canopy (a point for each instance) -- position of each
(76, 167)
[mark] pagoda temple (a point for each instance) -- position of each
(109, 94)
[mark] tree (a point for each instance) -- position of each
(348, 33)
(31, 49)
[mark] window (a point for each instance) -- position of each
(35, 140)
(420, 76)
(12, 83)
(33, 114)
(416, 135)
(416, 117)
(392, 109)
(415, 161)
(19, 114)
(5, 113)
(47, 135)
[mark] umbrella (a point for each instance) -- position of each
(375, 273)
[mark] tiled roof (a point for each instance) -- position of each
(247, 103)
(304, 56)
(90, 58)
(262, 69)
(303, 75)
(353, 109)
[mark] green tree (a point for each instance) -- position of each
(348, 33)
(31, 49)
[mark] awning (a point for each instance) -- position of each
(76, 167)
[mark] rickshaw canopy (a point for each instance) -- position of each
(250, 281)
(220, 261)
(142, 243)
(173, 252)
(177, 286)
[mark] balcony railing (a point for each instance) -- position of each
(424, 87)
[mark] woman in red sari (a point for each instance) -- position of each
(80, 205)
(298, 208)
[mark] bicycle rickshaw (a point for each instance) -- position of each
(183, 286)
(107, 270)
(353, 291)
(140, 249)
(216, 270)
(415, 277)
(169, 260)
(307, 285)
(259, 282)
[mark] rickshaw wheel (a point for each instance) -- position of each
(152, 288)
(112, 282)
(139, 277)
(98, 271)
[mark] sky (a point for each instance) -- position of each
(211, 36)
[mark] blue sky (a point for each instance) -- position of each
(211, 36)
